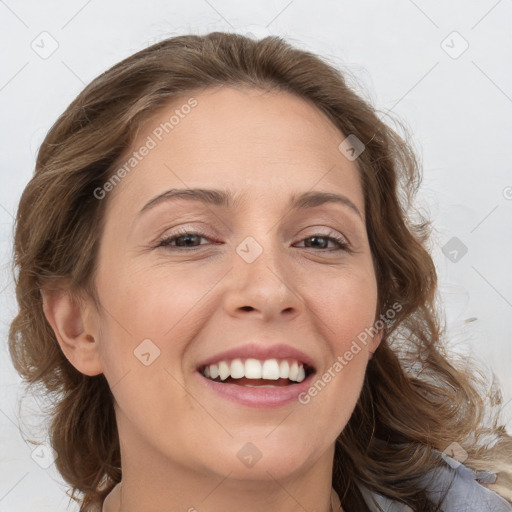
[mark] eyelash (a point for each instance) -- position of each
(165, 242)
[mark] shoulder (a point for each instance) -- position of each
(457, 487)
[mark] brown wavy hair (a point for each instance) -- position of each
(416, 398)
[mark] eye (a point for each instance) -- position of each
(320, 241)
(183, 240)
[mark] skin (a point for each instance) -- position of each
(179, 441)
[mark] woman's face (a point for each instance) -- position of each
(258, 277)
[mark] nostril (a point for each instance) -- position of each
(247, 308)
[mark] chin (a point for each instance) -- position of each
(262, 459)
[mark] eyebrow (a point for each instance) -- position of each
(224, 198)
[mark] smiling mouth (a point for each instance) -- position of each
(256, 383)
(253, 373)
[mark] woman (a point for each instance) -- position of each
(221, 288)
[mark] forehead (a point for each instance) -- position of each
(239, 138)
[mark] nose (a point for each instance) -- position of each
(264, 288)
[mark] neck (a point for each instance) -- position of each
(152, 484)
(113, 502)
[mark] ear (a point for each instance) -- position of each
(74, 323)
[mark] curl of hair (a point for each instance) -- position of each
(415, 399)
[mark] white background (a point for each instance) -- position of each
(459, 110)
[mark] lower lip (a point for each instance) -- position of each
(258, 396)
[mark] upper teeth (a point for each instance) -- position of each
(270, 369)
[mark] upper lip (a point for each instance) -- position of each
(261, 352)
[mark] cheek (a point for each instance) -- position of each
(345, 311)
(355, 315)
(144, 330)
(148, 312)
(345, 304)
(148, 303)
